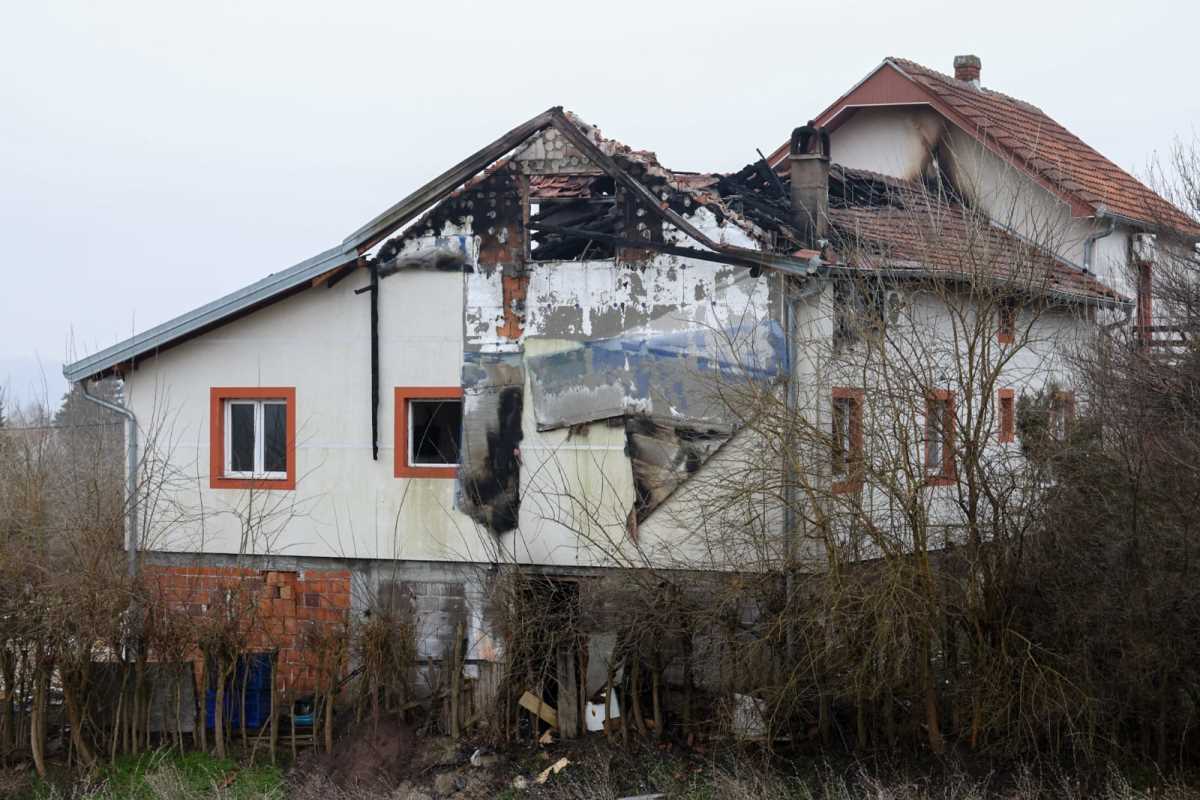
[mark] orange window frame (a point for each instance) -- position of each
(403, 395)
(217, 397)
(1007, 416)
(1145, 302)
(853, 480)
(1007, 330)
(943, 398)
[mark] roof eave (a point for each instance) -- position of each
(162, 335)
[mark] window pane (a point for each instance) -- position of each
(934, 421)
(275, 437)
(241, 437)
(841, 434)
(435, 428)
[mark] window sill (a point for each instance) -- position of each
(277, 484)
(406, 471)
(940, 480)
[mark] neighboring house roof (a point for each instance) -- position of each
(1023, 133)
(926, 234)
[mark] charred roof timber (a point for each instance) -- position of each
(809, 159)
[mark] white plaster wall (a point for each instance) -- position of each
(679, 535)
(345, 504)
(897, 140)
(890, 140)
(577, 488)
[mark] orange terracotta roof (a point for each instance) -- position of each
(923, 233)
(1047, 149)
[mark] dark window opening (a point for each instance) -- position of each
(274, 437)
(1008, 426)
(939, 436)
(846, 441)
(1007, 329)
(863, 309)
(435, 431)
(579, 202)
(241, 437)
(256, 438)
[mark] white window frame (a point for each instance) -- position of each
(259, 472)
(412, 432)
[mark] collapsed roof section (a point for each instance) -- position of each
(908, 227)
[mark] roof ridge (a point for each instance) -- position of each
(933, 73)
(1048, 148)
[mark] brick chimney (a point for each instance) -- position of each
(809, 157)
(966, 68)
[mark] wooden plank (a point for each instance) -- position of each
(535, 705)
(602, 160)
(321, 279)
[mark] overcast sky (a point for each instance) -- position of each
(154, 156)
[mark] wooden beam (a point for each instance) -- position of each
(605, 162)
(535, 705)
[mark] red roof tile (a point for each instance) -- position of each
(926, 234)
(1048, 149)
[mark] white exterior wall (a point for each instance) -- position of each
(577, 487)
(345, 504)
(890, 140)
(899, 140)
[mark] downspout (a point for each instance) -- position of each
(1089, 253)
(789, 489)
(131, 465)
(1089, 244)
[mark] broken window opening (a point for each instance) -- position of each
(256, 439)
(582, 202)
(435, 432)
(428, 431)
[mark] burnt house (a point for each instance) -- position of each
(521, 361)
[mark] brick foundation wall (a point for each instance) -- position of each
(279, 609)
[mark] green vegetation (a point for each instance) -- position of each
(165, 774)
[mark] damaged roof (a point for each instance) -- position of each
(883, 222)
(345, 256)
(761, 211)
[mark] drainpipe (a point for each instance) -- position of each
(1089, 244)
(131, 463)
(789, 490)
